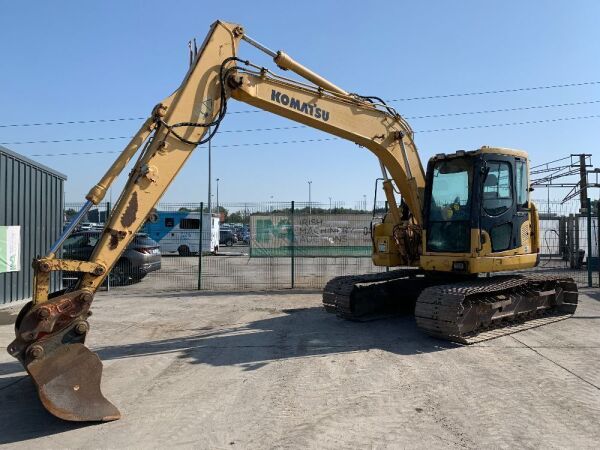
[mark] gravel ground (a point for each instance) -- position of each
(273, 370)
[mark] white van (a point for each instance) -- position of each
(179, 232)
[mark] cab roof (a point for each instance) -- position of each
(484, 149)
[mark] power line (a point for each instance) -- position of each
(129, 137)
(496, 91)
(296, 127)
(301, 141)
(405, 99)
(78, 122)
(518, 108)
(509, 124)
(245, 144)
(70, 122)
(111, 138)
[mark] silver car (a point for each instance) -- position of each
(141, 256)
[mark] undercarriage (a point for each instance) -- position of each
(464, 310)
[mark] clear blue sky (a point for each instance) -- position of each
(74, 60)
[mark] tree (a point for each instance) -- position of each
(238, 217)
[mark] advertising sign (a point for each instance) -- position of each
(310, 235)
(10, 248)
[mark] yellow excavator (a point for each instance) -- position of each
(469, 214)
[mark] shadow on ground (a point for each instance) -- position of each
(292, 333)
(22, 416)
(594, 294)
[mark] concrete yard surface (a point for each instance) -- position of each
(274, 370)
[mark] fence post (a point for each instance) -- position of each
(577, 242)
(562, 238)
(293, 247)
(570, 240)
(589, 239)
(200, 246)
(598, 237)
(106, 216)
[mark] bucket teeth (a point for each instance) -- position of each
(68, 383)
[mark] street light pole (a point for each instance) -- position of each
(218, 212)
(329, 204)
(309, 198)
(209, 178)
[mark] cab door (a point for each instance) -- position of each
(503, 212)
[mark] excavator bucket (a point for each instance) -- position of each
(68, 383)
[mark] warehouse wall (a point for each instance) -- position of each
(32, 196)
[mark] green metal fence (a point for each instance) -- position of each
(282, 245)
(291, 245)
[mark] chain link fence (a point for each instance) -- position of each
(570, 240)
(288, 245)
(277, 245)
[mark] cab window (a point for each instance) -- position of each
(450, 207)
(522, 191)
(450, 193)
(497, 188)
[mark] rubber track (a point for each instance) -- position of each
(441, 306)
(440, 310)
(340, 292)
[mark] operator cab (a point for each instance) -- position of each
(477, 206)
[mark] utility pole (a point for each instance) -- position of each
(583, 198)
(309, 198)
(329, 204)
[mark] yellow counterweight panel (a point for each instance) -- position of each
(481, 259)
(478, 264)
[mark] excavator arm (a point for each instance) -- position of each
(51, 330)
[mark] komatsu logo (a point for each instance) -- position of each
(310, 109)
